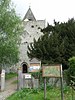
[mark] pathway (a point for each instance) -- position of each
(10, 88)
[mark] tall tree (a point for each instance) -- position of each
(57, 44)
(10, 30)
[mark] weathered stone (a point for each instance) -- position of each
(3, 80)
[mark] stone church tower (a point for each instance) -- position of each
(32, 29)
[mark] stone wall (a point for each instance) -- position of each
(32, 30)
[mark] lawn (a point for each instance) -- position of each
(38, 94)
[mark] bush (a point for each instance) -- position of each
(66, 76)
(72, 66)
(71, 69)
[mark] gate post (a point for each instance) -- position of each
(3, 80)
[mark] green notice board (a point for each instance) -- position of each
(52, 71)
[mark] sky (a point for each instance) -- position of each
(60, 10)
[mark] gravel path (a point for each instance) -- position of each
(10, 88)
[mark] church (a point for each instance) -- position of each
(32, 29)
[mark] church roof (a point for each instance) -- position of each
(29, 15)
(35, 60)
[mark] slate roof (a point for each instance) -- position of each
(29, 15)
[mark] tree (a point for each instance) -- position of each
(57, 44)
(10, 30)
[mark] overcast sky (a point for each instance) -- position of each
(60, 10)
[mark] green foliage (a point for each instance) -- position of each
(36, 94)
(35, 91)
(71, 71)
(10, 75)
(57, 44)
(72, 66)
(36, 75)
(66, 77)
(66, 89)
(10, 30)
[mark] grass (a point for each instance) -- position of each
(10, 75)
(38, 94)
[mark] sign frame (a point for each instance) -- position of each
(27, 76)
(35, 67)
(47, 74)
(53, 71)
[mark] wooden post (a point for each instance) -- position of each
(62, 88)
(20, 79)
(61, 80)
(45, 88)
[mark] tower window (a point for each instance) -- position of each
(32, 26)
(39, 28)
(29, 19)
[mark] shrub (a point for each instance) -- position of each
(71, 70)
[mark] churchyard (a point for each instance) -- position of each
(49, 76)
(36, 82)
(53, 93)
(41, 85)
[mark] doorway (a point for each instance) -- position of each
(24, 68)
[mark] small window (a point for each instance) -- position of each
(30, 19)
(25, 42)
(39, 28)
(32, 26)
